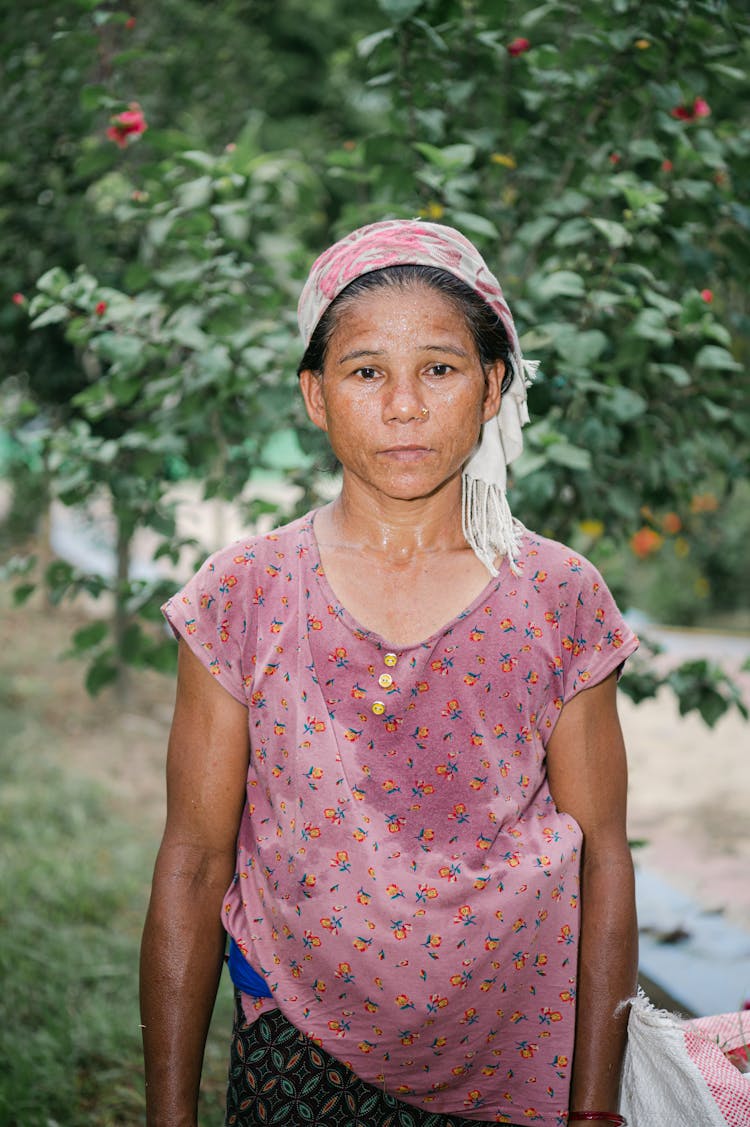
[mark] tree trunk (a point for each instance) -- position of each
(121, 617)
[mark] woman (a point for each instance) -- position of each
(396, 743)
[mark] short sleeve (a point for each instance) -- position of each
(600, 640)
(210, 615)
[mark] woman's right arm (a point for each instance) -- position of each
(183, 939)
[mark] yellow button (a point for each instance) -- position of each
(390, 659)
(378, 707)
(385, 680)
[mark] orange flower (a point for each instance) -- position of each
(704, 503)
(645, 542)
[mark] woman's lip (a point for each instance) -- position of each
(406, 453)
(406, 449)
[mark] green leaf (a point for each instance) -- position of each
(22, 593)
(572, 233)
(429, 31)
(89, 636)
(399, 10)
(198, 159)
(718, 359)
(93, 96)
(666, 305)
(283, 451)
(234, 219)
(625, 404)
(650, 324)
(643, 148)
(581, 349)
(195, 193)
(606, 300)
(366, 46)
(615, 233)
(572, 457)
(717, 412)
(677, 374)
(53, 282)
(475, 224)
(570, 202)
(560, 283)
(535, 15)
(183, 327)
(102, 673)
(532, 233)
(734, 74)
(452, 158)
(126, 354)
(53, 315)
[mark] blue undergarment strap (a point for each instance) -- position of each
(247, 980)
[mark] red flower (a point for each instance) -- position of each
(699, 108)
(708, 296)
(667, 166)
(517, 47)
(101, 308)
(614, 158)
(130, 23)
(18, 299)
(130, 122)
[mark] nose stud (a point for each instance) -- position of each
(424, 412)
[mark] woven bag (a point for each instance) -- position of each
(677, 1073)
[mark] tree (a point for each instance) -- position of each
(593, 152)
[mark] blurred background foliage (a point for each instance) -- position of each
(169, 171)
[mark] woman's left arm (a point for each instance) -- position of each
(587, 773)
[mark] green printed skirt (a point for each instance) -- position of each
(279, 1076)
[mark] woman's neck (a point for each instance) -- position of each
(396, 530)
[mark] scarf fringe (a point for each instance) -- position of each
(529, 369)
(488, 524)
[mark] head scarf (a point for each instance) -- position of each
(488, 524)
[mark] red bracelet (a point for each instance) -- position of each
(600, 1117)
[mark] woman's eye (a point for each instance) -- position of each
(439, 369)
(366, 373)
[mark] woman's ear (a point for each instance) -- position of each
(311, 386)
(493, 379)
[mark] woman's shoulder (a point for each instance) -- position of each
(557, 560)
(263, 549)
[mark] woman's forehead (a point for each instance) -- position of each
(414, 312)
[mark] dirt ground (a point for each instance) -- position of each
(689, 785)
(689, 799)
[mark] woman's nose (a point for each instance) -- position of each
(404, 402)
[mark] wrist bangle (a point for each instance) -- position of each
(610, 1117)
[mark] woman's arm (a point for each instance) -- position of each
(588, 778)
(183, 940)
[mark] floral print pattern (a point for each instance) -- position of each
(404, 882)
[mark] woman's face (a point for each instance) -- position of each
(403, 394)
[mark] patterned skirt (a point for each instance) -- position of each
(278, 1076)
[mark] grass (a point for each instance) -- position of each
(73, 892)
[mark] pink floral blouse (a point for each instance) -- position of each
(404, 882)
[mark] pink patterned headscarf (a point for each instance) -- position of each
(488, 524)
